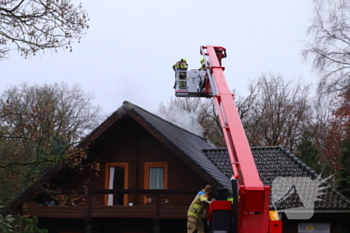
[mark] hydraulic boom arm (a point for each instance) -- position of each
(251, 209)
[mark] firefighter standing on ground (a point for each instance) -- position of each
(197, 209)
(180, 66)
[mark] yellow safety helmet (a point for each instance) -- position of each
(183, 59)
(202, 60)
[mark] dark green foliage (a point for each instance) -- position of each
(309, 153)
(327, 171)
(5, 221)
(27, 225)
(344, 173)
(18, 224)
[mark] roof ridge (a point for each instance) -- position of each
(313, 173)
(129, 106)
(300, 163)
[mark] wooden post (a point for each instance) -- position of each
(88, 225)
(89, 207)
(156, 227)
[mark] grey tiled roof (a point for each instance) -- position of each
(191, 145)
(188, 146)
(273, 162)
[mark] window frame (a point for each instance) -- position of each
(126, 179)
(149, 165)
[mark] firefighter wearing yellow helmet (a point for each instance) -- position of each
(181, 67)
(203, 67)
(203, 64)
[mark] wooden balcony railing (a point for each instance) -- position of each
(147, 203)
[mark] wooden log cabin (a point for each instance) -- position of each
(150, 170)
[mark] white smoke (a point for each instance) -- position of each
(181, 118)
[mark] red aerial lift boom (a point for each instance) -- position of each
(250, 214)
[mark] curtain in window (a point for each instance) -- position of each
(156, 178)
(110, 185)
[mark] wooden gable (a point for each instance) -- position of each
(137, 147)
(127, 144)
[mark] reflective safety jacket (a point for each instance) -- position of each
(198, 204)
(180, 65)
(203, 66)
(230, 199)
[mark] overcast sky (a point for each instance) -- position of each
(129, 50)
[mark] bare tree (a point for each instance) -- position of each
(246, 105)
(205, 113)
(33, 25)
(40, 127)
(275, 112)
(330, 49)
(318, 121)
(278, 114)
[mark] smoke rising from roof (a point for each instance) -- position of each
(181, 118)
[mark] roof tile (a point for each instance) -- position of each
(273, 162)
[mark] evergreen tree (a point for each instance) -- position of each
(308, 152)
(344, 173)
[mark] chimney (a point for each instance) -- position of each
(205, 134)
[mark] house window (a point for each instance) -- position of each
(156, 177)
(116, 178)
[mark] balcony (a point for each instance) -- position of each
(157, 204)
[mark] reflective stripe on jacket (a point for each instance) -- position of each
(196, 207)
(180, 65)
